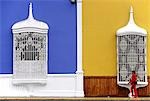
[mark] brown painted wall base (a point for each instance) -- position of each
(104, 86)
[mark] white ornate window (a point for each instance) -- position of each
(131, 53)
(30, 46)
(30, 50)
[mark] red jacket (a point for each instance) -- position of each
(133, 79)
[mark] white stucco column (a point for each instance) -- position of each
(79, 72)
(79, 36)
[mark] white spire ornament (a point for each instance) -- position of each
(131, 47)
(131, 20)
(30, 12)
(131, 26)
(30, 50)
(30, 22)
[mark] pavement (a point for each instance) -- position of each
(74, 99)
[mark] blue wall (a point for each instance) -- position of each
(60, 15)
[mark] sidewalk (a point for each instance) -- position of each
(74, 99)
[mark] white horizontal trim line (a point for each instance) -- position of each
(49, 75)
(6, 75)
(130, 33)
(29, 81)
(30, 29)
(61, 75)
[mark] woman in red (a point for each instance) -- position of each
(133, 82)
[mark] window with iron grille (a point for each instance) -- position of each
(30, 46)
(30, 50)
(131, 56)
(30, 55)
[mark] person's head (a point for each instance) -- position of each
(133, 72)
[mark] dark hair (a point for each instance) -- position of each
(133, 71)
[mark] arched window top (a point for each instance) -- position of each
(131, 27)
(30, 22)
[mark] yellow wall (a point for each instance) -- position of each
(101, 19)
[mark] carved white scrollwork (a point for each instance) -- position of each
(131, 55)
(30, 46)
(123, 44)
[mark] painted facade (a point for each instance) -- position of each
(98, 20)
(101, 19)
(64, 75)
(61, 17)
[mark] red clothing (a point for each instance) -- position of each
(133, 78)
(133, 82)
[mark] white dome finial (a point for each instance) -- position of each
(30, 12)
(30, 22)
(131, 9)
(131, 20)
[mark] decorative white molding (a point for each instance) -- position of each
(131, 27)
(20, 30)
(58, 85)
(131, 41)
(30, 50)
(79, 36)
(30, 22)
(79, 72)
